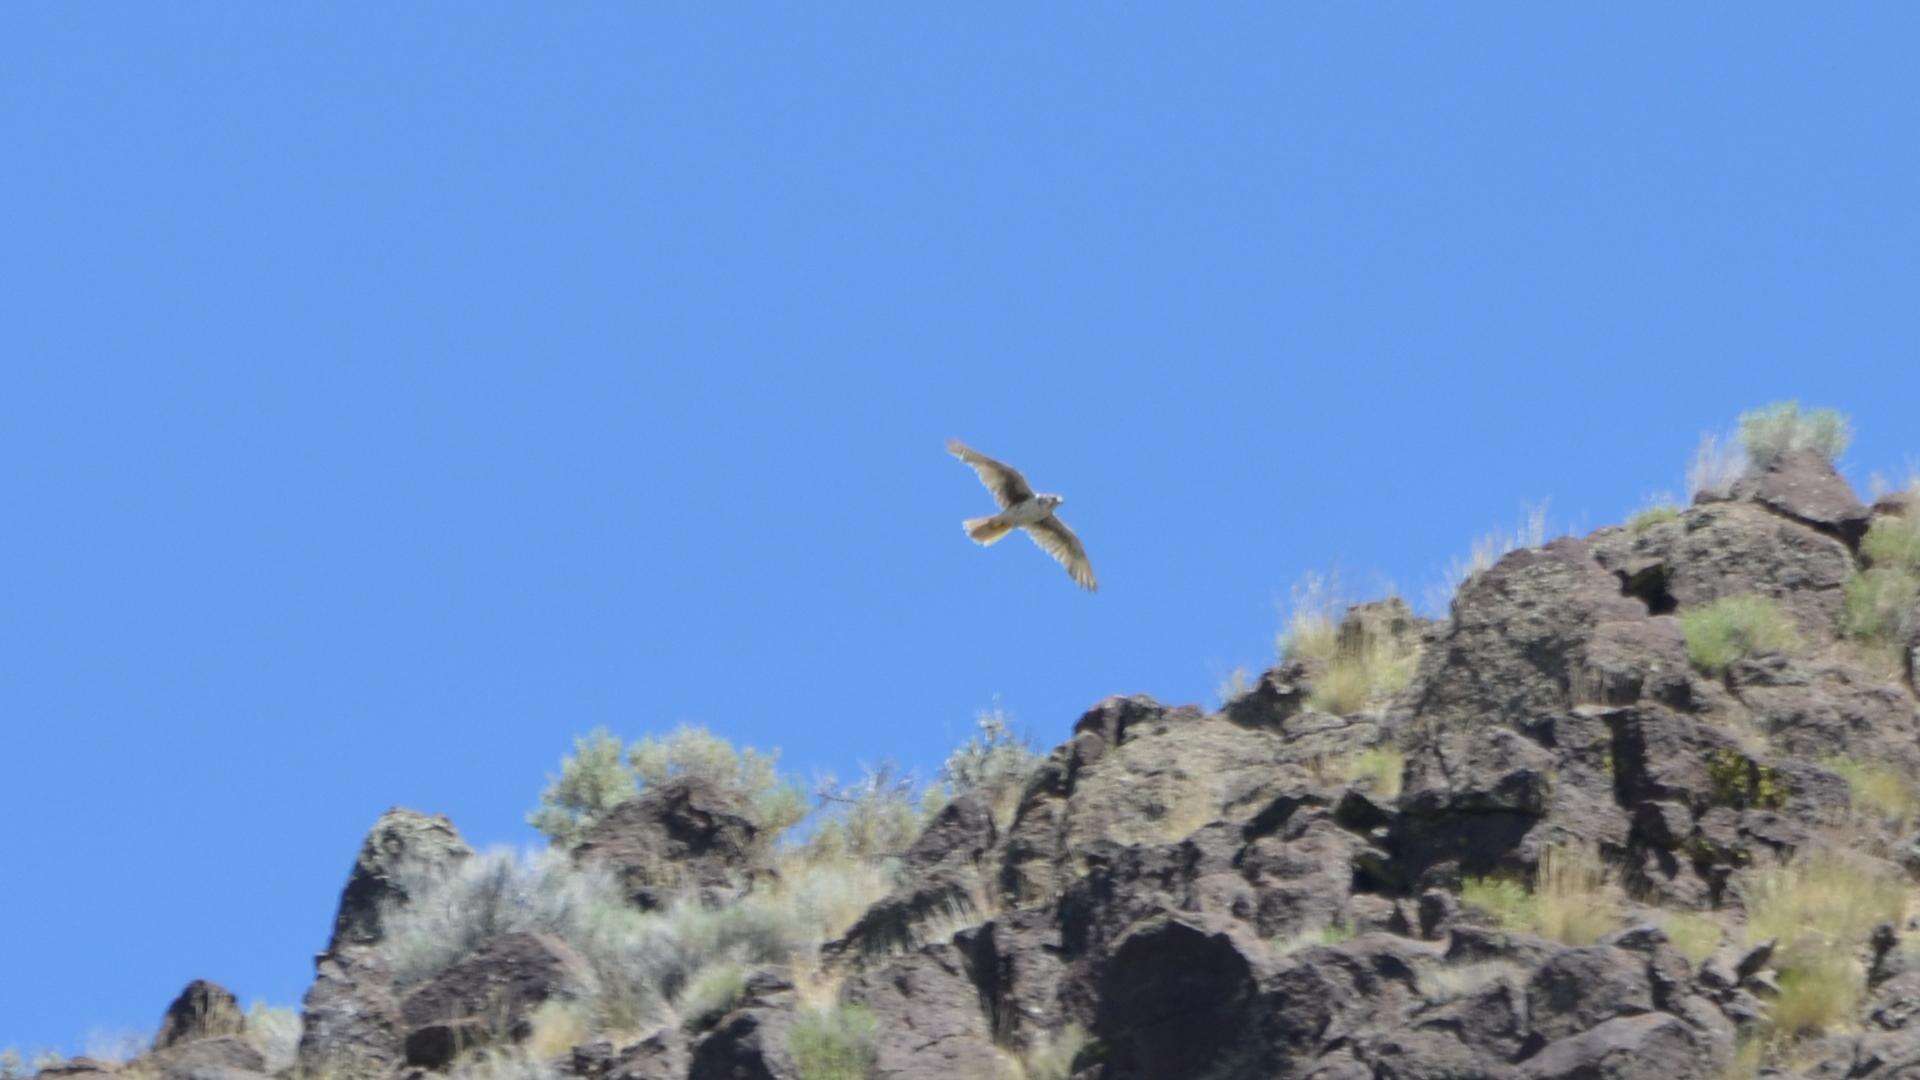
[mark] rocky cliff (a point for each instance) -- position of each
(1576, 843)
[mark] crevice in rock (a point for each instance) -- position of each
(1649, 586)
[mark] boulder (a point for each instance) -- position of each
(686, 836)
(1803, 485)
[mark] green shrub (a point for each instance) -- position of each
(1773, 430)
(592, 780)
(995, 765)
(778, 803)
(834, 1044)
(1893, 543)
(876, 818)
(1653, 515)
(1381, 768)
(1880, 607)
(1508, 901)
(1734, 627)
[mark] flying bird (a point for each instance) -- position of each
(1021, 508)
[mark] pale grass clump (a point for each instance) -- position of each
(1572, 900)
(116, 1047)
(557, 1026)
(1049, 1056)
(1718, 463)
(1780, 428)
(1357, 667)
(594, 779)
(1735, 627)
(1380, 768)
(1693, 935)
(643, 965)
(836, 1043)
(1531, 532)
(1878, 790)
(275, 1032)
(1311, 628)
(1819, 910)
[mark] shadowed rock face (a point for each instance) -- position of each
(1227, 896)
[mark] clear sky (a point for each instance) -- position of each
(390, 392)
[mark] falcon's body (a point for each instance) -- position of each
(1023, 508)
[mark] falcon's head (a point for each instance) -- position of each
(1050, 501)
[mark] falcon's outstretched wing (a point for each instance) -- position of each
(1057, 540)
(1005, 481)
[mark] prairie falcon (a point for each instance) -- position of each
(1021, 508)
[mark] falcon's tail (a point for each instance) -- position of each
(986, 530)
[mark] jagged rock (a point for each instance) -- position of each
(401, 837)
(687, 834)
(1656, 1046)
(750, 1043)
(930, 1025)
(1136, 772)
(202, 1011)
(1803, 485)
(500, 984)
(350, 1020)
(660, 1056)
(943, 877)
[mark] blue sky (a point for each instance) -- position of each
(390, 393)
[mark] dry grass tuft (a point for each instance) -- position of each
(1572, 901)
(1879, 791)
(1819, 909)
